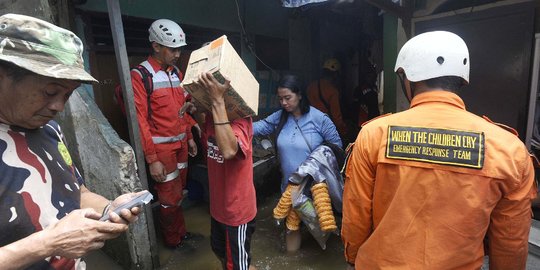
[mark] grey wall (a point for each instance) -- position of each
(39, 9)
(108, 166)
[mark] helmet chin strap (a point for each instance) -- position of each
(401, 77)
(413, 90)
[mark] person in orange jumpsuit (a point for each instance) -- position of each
(323, 94)
(426, 186)
(165, 130)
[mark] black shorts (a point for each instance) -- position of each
(231, 244)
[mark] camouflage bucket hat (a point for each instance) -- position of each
(42, 48)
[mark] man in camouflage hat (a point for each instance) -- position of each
(41, 191)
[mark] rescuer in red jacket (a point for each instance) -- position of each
(165, 131)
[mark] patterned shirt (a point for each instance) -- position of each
(39, 185)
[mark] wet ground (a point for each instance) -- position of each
(268, 251)
(267, 247)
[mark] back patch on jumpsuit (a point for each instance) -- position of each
(435, 145)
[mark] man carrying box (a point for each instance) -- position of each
(233, 203)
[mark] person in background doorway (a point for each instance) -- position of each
(424, 187)
(233, 204)
(323, 94)
(165, 129)
(367, 97)
(48, 218)
(299, 129)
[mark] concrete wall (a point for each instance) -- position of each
(39, 9)
(109, 168)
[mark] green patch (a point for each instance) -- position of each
(65, 153)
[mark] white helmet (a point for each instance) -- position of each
(434, 54)
(167, 33)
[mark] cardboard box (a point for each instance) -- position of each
(220, 58)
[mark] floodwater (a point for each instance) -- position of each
(267, 246)
(268, 251)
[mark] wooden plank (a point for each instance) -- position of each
(115, 17)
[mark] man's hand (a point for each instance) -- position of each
(224, 134)
(213, 87)
(157, 171)
(188, 107)
(198, 107)
(127, 216)
(192, 147)
(78, 233)
(198, 129)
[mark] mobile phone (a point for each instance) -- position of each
(140, 200)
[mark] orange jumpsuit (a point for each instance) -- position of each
(425, 186)
(330, 94)
(164, 138)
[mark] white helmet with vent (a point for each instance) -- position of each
(167, 33)
(434, 54)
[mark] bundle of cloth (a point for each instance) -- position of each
(314, 192)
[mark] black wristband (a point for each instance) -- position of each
(222, 123)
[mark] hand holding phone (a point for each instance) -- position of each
(141, 199)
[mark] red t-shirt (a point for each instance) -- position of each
(232, 193)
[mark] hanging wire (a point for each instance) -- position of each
(246, 41)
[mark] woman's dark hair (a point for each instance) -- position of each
(13, 71)
(295, 84)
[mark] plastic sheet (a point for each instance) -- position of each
(321, 165)
(306, 210)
